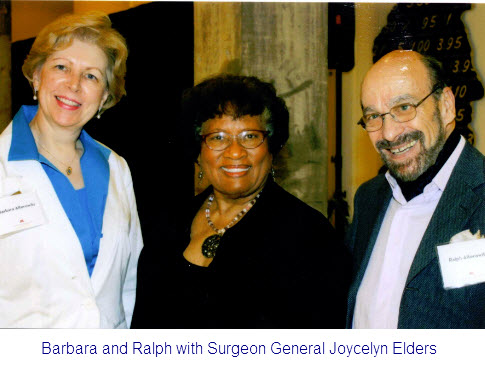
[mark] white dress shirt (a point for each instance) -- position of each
(379, 296)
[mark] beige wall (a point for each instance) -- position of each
(108, 7)
(360, 160)
(28, 17)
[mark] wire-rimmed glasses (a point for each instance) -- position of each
(221, 140)
(403, 112)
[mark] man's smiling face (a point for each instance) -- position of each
(407, 148)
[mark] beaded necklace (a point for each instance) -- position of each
(211, 243)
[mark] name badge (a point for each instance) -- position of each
(462, 263)
(20, 212)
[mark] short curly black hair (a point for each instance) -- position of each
(235, 96)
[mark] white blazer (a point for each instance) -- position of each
(44, 281)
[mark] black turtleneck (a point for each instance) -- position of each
(411, 189)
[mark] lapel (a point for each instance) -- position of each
(115, 221)
(98, 184)
(454, 209)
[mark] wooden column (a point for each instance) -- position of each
(5, 65)
(283, 43)
(217, 39)
(217, 48)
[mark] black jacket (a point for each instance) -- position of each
(280, 266)
(424, 302)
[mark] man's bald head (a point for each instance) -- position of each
(402, 81)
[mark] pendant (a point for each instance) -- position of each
(69, 170)
(210, 245)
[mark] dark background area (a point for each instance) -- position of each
(144, 126)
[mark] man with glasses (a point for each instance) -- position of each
(434, 188)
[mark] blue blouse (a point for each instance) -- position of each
(84, 207)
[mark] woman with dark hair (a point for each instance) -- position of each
(247, 254)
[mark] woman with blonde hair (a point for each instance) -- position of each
(70, 237)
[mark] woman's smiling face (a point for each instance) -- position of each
(235, 172)
(71, 85)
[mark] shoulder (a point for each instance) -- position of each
(469, 171)
(116, 162)
(374, 183)
(103, 152)
(290, 213)
(280, 198)
(6, 133)
(6, 140)
(471, 159)
(298, 231)
(112, 164)
(374, 186)
(5, 144)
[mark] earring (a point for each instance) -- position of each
(200, 175)
(35, 95)
(272, 172)
(99, 113)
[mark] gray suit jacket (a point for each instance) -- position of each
(424, 303)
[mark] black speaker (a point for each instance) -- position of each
(341, 36)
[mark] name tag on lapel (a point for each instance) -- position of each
(20, 212)
(462, 263)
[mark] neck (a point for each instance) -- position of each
(224, 204)
(56, 140)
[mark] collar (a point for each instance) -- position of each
(442, 177)
(439, 181)
(23, 145)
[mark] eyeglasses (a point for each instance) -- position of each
(221, 140)
(401, 113)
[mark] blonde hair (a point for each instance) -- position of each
(94, 27)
